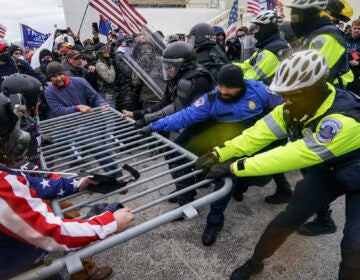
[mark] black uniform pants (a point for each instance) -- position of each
(317, 189)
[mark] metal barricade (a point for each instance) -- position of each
(103, 139)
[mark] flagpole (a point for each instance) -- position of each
(82, 20)
(22, 35)
(246, 14)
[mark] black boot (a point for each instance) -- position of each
(251, 267)
(238, 192)
(283, 193)
(322, 224)
(210, 234)
(283, 196)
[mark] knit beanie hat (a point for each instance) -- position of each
(54, 68)
(43, 53)
(14, 48)
(231, 75)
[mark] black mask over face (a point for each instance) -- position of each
(265, 32)
(44, 63)
(5, 57)
(302, 26)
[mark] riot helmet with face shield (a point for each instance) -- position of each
(13, 141)
(178, 57)
(202, 34)
(23, 91)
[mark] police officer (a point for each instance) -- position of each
(271, 49)
(209, 54)
(234, 105)
(322, 123)
(319, 33)
(185, 82)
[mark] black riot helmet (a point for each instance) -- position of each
(13, 141)
(202, 34)
(178, 57)
(23, 90)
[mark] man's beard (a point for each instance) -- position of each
(232, 98)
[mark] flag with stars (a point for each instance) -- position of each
(233, 18)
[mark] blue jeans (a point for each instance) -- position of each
(217, 208)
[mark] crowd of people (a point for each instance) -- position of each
(278, 96)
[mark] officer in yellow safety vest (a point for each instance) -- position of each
(271, 51)
(311, 25)
(322, 124)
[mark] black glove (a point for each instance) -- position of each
(206, 161)
(220, 170)
(146, 130)
(46, 140)
(139, 114)
(98, 209)
(140, 123)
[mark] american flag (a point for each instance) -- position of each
(233, 18)
(120, 13)
(2, 31)
(253, 7)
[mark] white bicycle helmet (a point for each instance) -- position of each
(268, 17)
(306, 4)
(301, 70)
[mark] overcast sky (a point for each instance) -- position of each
(40, 15)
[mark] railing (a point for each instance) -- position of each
(87, 142)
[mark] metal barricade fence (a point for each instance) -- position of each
(104, 140)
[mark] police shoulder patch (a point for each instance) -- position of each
(328, 130)
(318, 42)
(199, 102)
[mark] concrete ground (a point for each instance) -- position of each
(175, 251)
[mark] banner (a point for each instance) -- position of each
(48, 44)
(233, 18)
(32, 39)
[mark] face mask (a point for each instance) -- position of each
(146, 60)
(5, 57)
(44, 63)
(299, 29)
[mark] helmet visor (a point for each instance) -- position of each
(190, 39)
(171, 67)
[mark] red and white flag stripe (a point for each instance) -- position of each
(121, 14)
(2, 31)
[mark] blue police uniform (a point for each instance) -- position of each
(209, 121)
